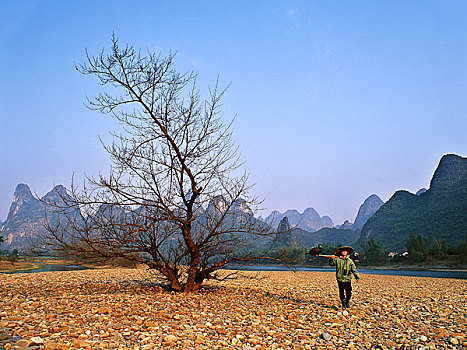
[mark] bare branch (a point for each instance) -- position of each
(170, 200)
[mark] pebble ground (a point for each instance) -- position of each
(128, 309)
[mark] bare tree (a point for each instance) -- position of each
(171, 200)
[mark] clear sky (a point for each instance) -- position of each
(335, 100)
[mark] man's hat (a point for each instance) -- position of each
(338, 251)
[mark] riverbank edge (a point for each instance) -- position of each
(29, 266)
(35, 265)
(386, 267)
(39, 264)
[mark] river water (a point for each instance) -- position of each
(50, 267)
(392, 272)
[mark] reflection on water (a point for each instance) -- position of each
(415, 273)
(51, 267)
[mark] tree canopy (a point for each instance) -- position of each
(172, 199)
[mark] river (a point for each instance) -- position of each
(50, 267)
(441, 273)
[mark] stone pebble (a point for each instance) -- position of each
(129, 309)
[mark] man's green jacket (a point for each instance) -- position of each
(344, 269)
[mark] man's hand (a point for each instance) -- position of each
(333, 257)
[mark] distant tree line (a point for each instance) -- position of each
(419, 249)
(374, 252)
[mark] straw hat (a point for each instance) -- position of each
(338, 251)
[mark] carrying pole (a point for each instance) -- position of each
(320, 256)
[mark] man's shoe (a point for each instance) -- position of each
(344, 303)
(347, 303)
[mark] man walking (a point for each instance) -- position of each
(345, 267)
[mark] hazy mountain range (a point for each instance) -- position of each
(309, 220)
(27, 214)
(309, 229)
(441, 210)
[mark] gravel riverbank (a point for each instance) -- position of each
(127, 309)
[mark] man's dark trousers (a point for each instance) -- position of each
(345, 287)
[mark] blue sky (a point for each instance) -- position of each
(334, 100)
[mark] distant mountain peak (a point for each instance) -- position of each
(242, 206)
(366, 210)
(441, 211)
(309, 220)
(24, 217)
(420, 191)
(451, 171)
(327, 221)
(57, 192)
(372, 198)
(59, 189)
(347, 225)
(310, 210)
(22, 196)
(284, 225)
(22, 192)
